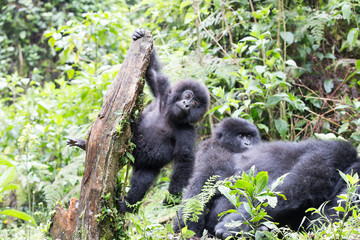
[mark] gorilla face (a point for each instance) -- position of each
(187, 102)
(236, 134)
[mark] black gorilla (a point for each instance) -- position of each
(164, 131)
(313, 177)
(215, 157)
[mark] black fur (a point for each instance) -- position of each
(313, 177)
(215, 157)
(164, 131)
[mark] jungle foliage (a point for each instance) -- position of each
(290, 67)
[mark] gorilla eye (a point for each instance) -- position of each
(187, 94)
(194, 103)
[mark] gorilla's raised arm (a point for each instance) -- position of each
(156, 80)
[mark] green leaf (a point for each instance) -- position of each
(248, 39)
(291, 63)
(281, 127)
(43, 106)
(130, 156)
(261, 181)
(71, 73)
(51, 42)
(260, 69)
(169, 228)
(327, 136)
(7, 176)
(343, 128)
(22, 34)
(247, 208)
(274, 99)
(189, 234)
(339, 209)
(257, 14)
(244, 185)
(346, 11)
(189, 17)
(217, 4)
(19, 214)
(330, 56)
(224, 108)
(263, 127)
(278, 181)
(358, 66)
(289, 37)
(138, 228)
(9, 187)
(272, 201)
(328, 85)
(184, 4)
(5, 162)
(226, 192)
(352, 37)
(311, 210)
(259, 217)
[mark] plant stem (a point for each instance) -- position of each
(126, 177)
(278, 25)
(252, 9)
(226, 24)
(196, 11)
(284, 28)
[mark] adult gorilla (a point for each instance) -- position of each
(215, 157)
(313, 178)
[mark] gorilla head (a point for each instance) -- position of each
(187, 101)
(236, 134)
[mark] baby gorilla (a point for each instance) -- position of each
(164, 132)
(215, 157)
(313, 178)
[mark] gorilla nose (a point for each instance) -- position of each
(186, 104)
(247, 143)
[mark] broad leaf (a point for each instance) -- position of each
(19, 214)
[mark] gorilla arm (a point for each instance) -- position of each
(184, 160)
(157, 81)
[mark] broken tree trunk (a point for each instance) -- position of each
(105, 146)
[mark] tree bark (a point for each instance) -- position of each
(105, 146)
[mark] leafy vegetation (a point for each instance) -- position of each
(290, 67)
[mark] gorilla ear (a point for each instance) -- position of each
(219, 135)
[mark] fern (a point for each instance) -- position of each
(316, 24)
(193, 207)
(66, 179)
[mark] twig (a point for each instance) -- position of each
(284, 28)
(252, 10)
(226, 24)
(196, 11)
(219, 45)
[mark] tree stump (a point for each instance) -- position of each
(105, 146)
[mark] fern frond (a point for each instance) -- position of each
(66, 179)
(316, 24)
(194, 207)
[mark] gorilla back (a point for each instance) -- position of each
(313, 176)
(215, 157)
